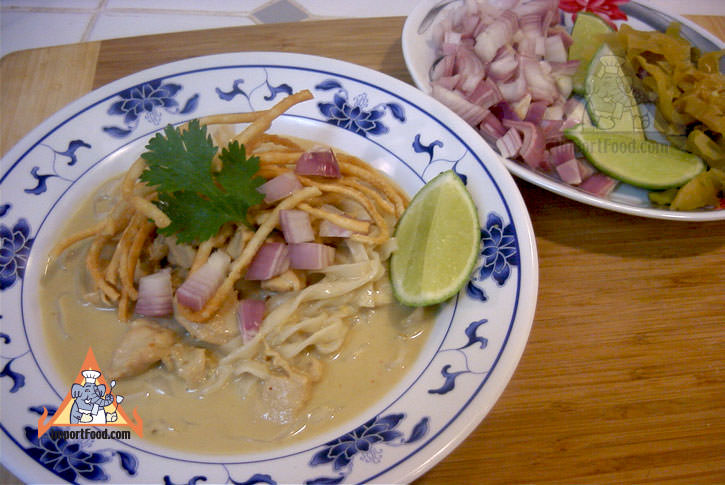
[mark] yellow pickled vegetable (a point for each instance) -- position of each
(703, 190)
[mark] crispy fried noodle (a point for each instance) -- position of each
(262, 299)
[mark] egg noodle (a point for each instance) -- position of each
(307, 313)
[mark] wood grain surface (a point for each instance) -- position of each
(623, 377)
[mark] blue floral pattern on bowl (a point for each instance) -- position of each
(15, 244)
(149, 99)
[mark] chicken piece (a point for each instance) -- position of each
(188, 362)
(290, 280)
(284, 396)
(218, 330)
(144, 344)
(181, 255)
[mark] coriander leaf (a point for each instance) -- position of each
(180, 161)
(198, 200)
(192, 218)
(238, 177)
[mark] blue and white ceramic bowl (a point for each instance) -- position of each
(419, 52)
(471, 353)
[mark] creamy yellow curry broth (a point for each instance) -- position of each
(380, 346)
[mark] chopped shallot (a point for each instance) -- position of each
(155, 294)
(320, 162)
(202, 283)
(296, 226)
(250, 314)
(271, 260)
(280, 187)
(311, 256)
(504, 69)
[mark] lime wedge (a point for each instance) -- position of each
(636, 161)
(587, 28)
(609, 97)
(438, 239)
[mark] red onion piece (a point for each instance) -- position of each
(586, 169)
(496, 35)
(535, 113)
(569, 172)
(155, 294)
(485, 94)
(471, 69)
(320, 162)
(471, 113)
(311, 256)
(509, 144)
(491, 127)
(559, 154)
(505, 64)
(514, 89)
(202, 283)
(599, 184)
(296, 226)
(330, 229)
(272, 259)
(555, 50)
(250, 314)
(443, 67)
(280, 187)
(532, 147)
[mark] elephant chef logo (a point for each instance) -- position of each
(90, 402)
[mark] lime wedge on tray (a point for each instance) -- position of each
(587, 27)
(609, 96)
(438, 239)
(635, 160)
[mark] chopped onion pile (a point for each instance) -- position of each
(504, 69)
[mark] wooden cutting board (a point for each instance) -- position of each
(623, 378)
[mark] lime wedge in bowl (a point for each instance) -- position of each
(438, 240)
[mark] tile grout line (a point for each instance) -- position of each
(92, 21)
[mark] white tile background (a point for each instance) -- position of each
(38, 23)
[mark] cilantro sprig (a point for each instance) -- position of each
(198, 199)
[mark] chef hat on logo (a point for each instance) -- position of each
(91, 376)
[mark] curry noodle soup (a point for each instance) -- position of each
(229, 351)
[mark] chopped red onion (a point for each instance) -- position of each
(202, 283)
(509, 144)
(569, 172)
(280, 187)
(491, 127)
(532, 147)
(296, 226)
(535, 113)
(471, 69)
(272, 259)
(320, 162)
(555, 50)
(250, 314)
(559, 154)
(485, 94)
(505, 64)
(311, 256)
(471, 113)
(496, 35)
(155, 294)
(599, 184)
(443, 67)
